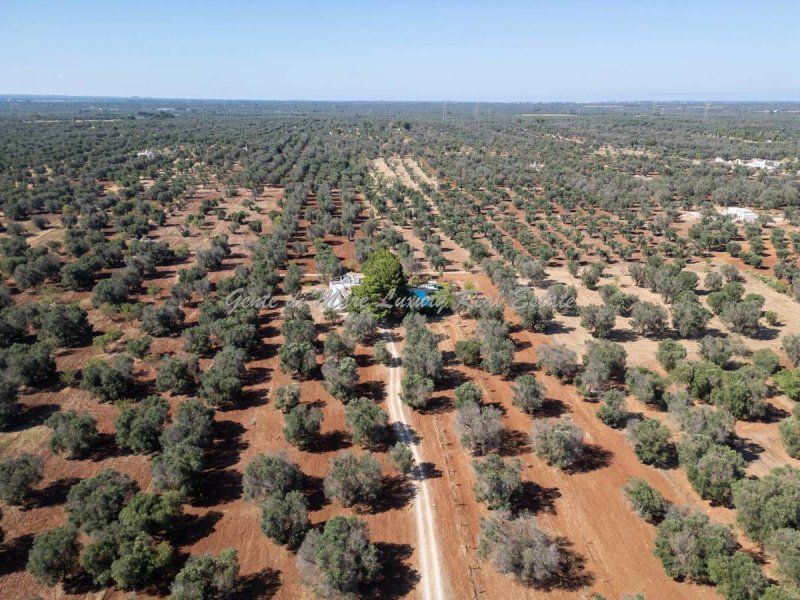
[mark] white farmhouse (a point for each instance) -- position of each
(339, 290)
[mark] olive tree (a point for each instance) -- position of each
(558, 441)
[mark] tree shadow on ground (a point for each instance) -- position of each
(314, 490)
(32, 416)
(190, 529)
(106, 447)
(749, 449)
(406, 432)
(396, 492)
(535, 498)
(54, 494)
(773, 414)
(594, 457)
(375, 390)
(425, 470)
(219, 487)
(398, 578)
(552, 409)
(331, 442)
(521, 367)
(514, 443)
(261, 585)
(228, 445)
(14, 554)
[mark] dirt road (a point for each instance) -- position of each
(431, 578)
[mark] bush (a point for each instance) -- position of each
(479, 428)
(287, 397)
(298, 359)
(284, 518)
(338, 560)
(737, 577)
(178, 468)
(340, 377)
(301, 425)
(93, 504)
(382, 354)
(177, 375)
(686, 542)
(646, 501)
(716, 349)
(204, 577)
(768, 504)
(791, 346)
(520, 547)
(598, 319)
(352, 479)
(139, 427)
(648, 319)
(72, 432)
(528, 394)
(614, 411)
(646, 385)
(67, 325)
(17, 477)
(368, 423)
(108, 380)
(558, 441)
(139, 347)
(269, 475)
(193, 425)
(152, 513)
(788, 382)
(498, 481)
(221, 384)
(416, 390)
(401, 457)
(766, 361)
(54, 555)
(558, 360)
(689, 318)
(468, 352)
(651, 442)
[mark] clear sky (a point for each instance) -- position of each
(403, 50)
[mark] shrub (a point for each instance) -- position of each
(301, 425)
(108, 380)
(614, 411)
(791, 346)
(139, 427)
(269, 475)
(72, 432)
(368, 423)
(221, 384)
(139, 347)
(767, 504)
(339, 559)
(284, 518)
(152, 513)
(204, 577)
(646, 385)
(401, 457)
(93, 504)
(178, 468)
(766, 361)
(648, 319)
(193, 425)
(558, 441)
(598, 319)
(416, 390)
(287, 397)
(528, 394)
(468, 352)
(788, 382)
(498, 481)
(54, 555)
(17, 477)
(646, 501)
(737, 577)
(520, 547)
(479, 428)
(686, 542)
(651, 442)
(352, 479)
(340, 377)
(558, 360)
(177, 375)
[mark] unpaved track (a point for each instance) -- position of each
(430, 570)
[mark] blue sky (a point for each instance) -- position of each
(409, 50)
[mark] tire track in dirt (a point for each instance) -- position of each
(431, 578)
